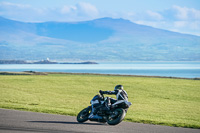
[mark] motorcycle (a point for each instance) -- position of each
(97, 112)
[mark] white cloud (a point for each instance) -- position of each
(181, 12)
(79, 12)
(179, 24)
(87, 9)
(195, 13)
(176, 18)
(195, 25)
(12, 5)
(68, 9)
(155, 15)
(184, 13)
(20, 12)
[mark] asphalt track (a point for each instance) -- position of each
(12, 121)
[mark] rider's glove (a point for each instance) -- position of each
(101, 92)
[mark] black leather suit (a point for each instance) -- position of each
(120, 95)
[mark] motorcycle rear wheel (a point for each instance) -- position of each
(116, 117)
(83, 115)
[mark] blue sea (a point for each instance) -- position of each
(168, 69)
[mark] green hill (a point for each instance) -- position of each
(104, 39)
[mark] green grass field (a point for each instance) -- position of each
(172, 102)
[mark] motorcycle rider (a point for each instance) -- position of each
(120, 95)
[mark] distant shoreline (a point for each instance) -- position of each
(46, 73)
(42, 62)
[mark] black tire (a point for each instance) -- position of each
(83, 115)
(116, 119)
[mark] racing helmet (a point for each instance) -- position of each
(118, 87)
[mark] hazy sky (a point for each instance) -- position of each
(175, 15)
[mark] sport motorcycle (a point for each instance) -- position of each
(98, 112)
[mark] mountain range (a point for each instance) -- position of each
(103, 39)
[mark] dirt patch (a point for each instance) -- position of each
(23, 73)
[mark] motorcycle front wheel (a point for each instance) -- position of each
(116, 117)
(83, 115)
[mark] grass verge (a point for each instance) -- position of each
(162, 101)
